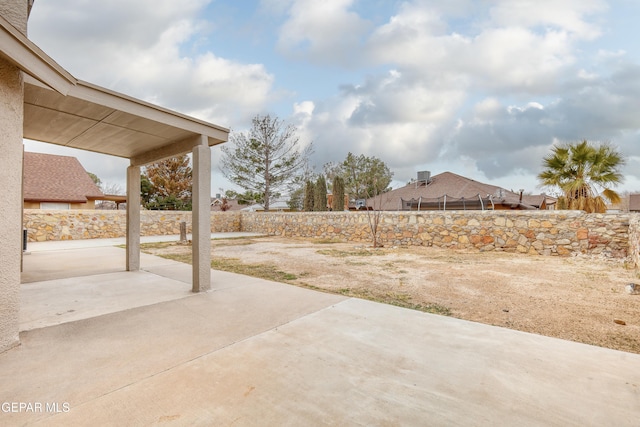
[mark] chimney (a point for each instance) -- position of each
(521, 191)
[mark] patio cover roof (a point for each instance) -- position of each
(62, 110)
(96, 119)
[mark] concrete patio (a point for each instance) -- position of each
(101, 346)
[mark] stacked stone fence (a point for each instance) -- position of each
(45, 225)
(634, 240)
(529, 232)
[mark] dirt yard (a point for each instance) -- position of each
(578, 298)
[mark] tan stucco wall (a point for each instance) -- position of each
(91, 204)
(15, 11)
(11, 118)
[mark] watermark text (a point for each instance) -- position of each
(35, 407)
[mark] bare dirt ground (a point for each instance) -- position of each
(577, 298)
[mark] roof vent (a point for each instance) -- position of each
(424, 177)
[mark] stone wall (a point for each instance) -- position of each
(43, 225)
(634, 240)
(531, 232)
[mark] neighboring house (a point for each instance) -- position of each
(449, 191)
(276, 206)
(540, 201)
(57, 182)
(634, 202)
(330, 201)
(218, 201)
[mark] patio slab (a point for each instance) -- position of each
(254, 352)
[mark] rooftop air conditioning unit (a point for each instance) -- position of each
(424, 176)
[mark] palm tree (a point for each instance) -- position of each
(580, 170)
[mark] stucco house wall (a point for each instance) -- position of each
(91, 204)
(11, 119)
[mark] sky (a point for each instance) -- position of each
(482, 88)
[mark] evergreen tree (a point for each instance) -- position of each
(266, 159)
(320, 195)
(309, 190)
(364, 177)
(338, 194)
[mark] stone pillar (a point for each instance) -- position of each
(11, 119)
(133, 218)
(201, 217)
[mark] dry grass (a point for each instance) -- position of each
(576, 298)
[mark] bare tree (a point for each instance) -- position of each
(112, 189)
(375, 213)
(109, 189)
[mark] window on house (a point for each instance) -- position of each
(50, 205)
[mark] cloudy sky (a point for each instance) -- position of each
(482, 88)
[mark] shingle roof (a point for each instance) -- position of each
(537, 200)
(634, 202)
(453, 186)
(233, 204)
(51, 178)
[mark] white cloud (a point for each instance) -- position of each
(567, 15)
(418, 112)
(501, 54)
(140, 49)
(481, 88)
(322, 31)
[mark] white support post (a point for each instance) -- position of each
(201, 216)
(133, 218)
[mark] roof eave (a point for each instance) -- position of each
(109, 98)
(54, 200)
(20, 51)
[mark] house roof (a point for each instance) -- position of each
(278, 205)
(51, 178)
(634, 202)
(454, 187)
(60, 109)
(233, 204)
(537, 200)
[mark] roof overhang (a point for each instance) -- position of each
(114, 198)
(62, 110)
(100, 120)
